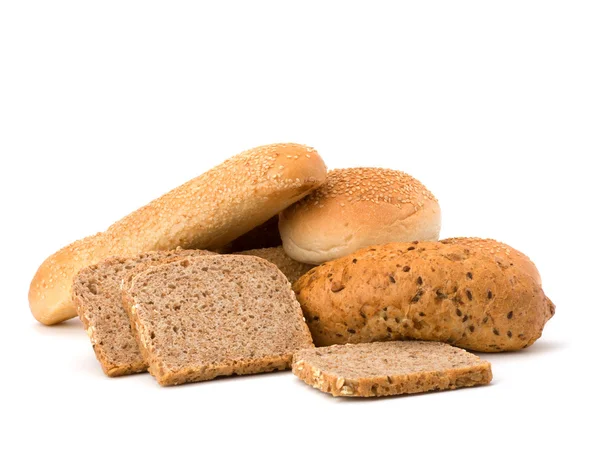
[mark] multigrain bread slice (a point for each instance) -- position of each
(288, 266)
(389, 368)
(97, 297)
(207, 212)
(202, 317)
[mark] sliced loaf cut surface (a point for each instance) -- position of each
(389, 368)
(288, 266)
(202, 317)
(97, 297)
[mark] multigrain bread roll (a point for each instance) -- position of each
(355, 208)
(473, 293)
(207, 212)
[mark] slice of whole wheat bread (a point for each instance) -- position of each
(202, 317)
(389, 368)
(291, 268)
(97, 297)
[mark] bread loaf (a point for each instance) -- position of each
(206, 213)
(473, 293)
(389, 368)
(292, 269)
(202, 317)
(355, 208)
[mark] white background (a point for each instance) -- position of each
(495, 106)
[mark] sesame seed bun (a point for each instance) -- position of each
(207, 212)
(355, 208)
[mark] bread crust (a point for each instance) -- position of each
(205, 213)
(355, 208)
(473, 293)
(478, 372)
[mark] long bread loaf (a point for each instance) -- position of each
(205, 213)
(476, 294)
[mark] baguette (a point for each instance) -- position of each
(476, 294)
(206, 213)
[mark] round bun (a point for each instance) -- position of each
(355, 208)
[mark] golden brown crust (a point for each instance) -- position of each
(472, 293)
(120, 362)
(468, 375)
(206, 212)
(358, 207)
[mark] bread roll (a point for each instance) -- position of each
(355, 208)
(472, 293)
(205, 213)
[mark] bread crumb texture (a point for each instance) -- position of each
(204, 317)
(389, 368)
(473, 293)
(97, 298)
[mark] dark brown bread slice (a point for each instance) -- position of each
(202, 317)
(389, 368)
(97, 297)
(288, 266)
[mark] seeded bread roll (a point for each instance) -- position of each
(97, 298)
(389, 368)
(356, 208)
(472, 293)
(292, 269)
(207, 212)
(202, 317)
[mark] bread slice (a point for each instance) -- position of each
(389, 368)
(355, 208)
(97, 297)
(288, 266)
(202, 317)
